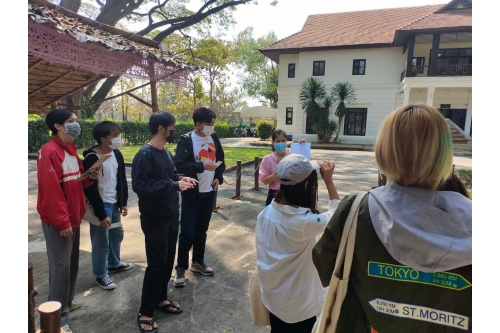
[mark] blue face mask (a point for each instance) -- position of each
(280, 147)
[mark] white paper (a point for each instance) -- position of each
(303, 149)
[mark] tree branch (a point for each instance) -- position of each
(196, 18)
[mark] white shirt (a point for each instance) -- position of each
(289, 282)
(108, 180)
(204, 151)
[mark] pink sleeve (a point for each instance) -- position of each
(264, 168)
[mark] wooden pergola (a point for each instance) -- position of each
(68, 52)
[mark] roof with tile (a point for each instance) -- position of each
(369, 27)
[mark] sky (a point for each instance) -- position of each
(288, 16)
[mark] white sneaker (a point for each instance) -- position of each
(66, 329)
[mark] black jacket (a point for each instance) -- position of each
(186, 164)
(156, 182)
(92, 192)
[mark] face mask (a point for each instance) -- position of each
(280, 147)
(208, 130)
(171, 137)
(116, 142)
(72, 129)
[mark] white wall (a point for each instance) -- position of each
(378, 90)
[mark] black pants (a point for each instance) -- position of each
(279, 326)
(161, 240)
(195, 219)
(270, 196)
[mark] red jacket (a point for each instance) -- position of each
(61, 200)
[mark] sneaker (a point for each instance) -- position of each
(123, 267)
(180, 279)
(105, 283)
(66, 329)
(201, 268)
(74, 306)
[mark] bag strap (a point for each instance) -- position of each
(346, 248)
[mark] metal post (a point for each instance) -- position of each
(50, 317)
(238, 179)
(31, 300)
(256, 174)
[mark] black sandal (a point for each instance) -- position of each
(150, 322)
(166, 307)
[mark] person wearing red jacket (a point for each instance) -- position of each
(61, 205)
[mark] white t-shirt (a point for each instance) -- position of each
(108, 180)
(204, 151)
(289, 282)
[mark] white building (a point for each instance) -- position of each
(391, 56)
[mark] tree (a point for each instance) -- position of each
(317, 104)
(260, 78)
(342, 93)
(161, 18)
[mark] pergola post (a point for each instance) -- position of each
(154, 97)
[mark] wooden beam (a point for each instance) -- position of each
(139, 99)
(434, 54)
(35, 64)
(74, 91)
(52, 82)
(409, 56)
(126, 92)
(154, 97)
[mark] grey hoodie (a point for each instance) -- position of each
(427, 230)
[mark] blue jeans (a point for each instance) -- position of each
(106, 243)
(195, 218)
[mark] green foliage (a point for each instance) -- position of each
(264, 129)
(260, 78)
(465, 176)
(38, 134)
(134, 133)
(342, 93)
(32, 116)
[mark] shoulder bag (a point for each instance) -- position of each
(328, 319)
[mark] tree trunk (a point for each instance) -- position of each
(338, 130)
(72, 101)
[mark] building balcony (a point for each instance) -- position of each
(442, 70)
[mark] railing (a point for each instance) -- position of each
(442, 70)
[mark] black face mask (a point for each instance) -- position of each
(171, 137)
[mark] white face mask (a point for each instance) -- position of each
(208, 130)
(116, 142)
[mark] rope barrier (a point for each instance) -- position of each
(234, 181)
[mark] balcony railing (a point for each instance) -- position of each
(442, 70)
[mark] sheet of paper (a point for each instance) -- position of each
(303, 149)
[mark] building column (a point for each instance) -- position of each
(409, 56)
(468, 116)
(406, 96)
(434, 54)
(430, 95)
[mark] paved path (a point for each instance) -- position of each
(211, 304)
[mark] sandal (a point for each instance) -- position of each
(146, 322)
(166, 307)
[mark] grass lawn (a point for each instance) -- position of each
(231, 154)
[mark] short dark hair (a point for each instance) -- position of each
(57, 116)
(454, 184)
(104, 129)
(276, 133)
(203, 115)
(163, 118)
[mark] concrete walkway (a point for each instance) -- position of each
(211, 304)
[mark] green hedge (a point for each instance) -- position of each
(134, 133)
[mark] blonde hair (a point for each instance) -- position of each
(414, 147)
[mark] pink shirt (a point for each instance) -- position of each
(268, 167)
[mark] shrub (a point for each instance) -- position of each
(264, 129)
(33, 116)
(465, 176)
(134, 133)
